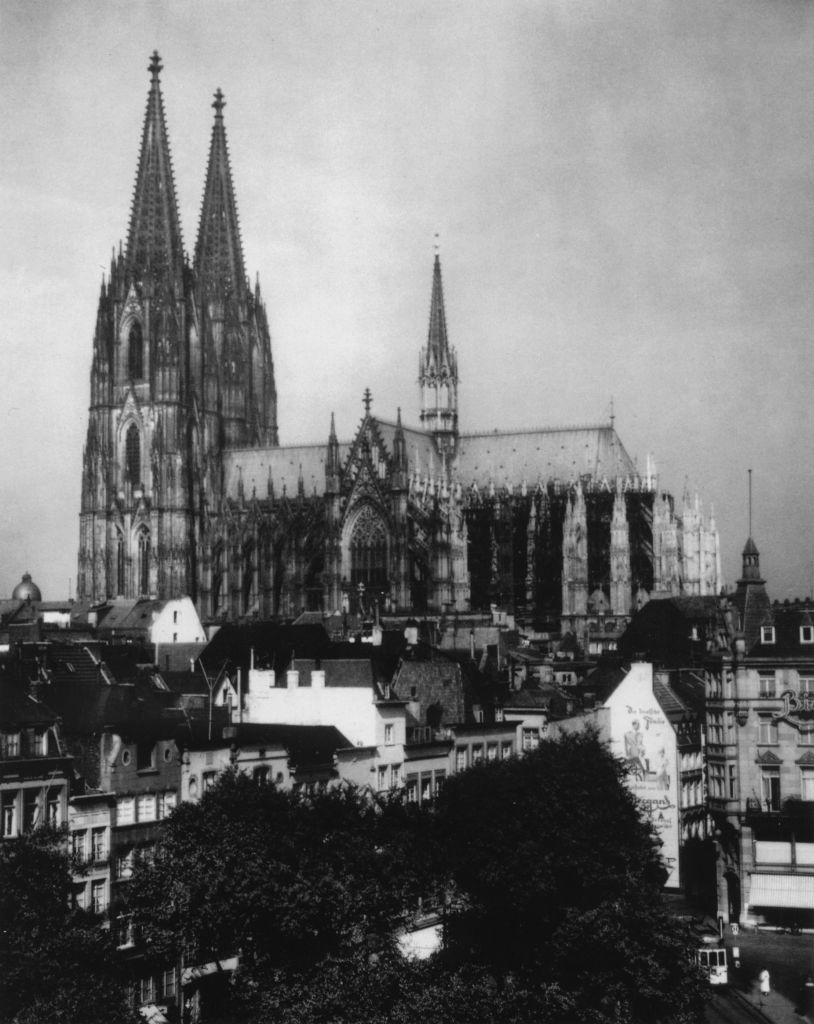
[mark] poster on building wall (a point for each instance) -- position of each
(646, 742)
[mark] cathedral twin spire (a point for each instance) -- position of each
(154, 242)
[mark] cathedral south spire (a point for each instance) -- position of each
(155, 248)
(438, 373)
(219, 251)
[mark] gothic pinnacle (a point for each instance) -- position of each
(219, 104)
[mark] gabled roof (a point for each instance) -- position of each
(128, 616)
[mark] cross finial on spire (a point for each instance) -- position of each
(437, 245)
(155, 66)
(612, 413)
(367, 399)
(219, 103)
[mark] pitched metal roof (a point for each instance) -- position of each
(510, 458)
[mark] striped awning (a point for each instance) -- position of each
(793, 891)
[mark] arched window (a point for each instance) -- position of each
(368, 551)
(132, 455)
(144, 561)
(135, 352)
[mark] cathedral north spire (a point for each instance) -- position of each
(154, 242)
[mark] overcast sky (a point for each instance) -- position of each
(624, 194)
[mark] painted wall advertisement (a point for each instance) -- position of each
(646, 741)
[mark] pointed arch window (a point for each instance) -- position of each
(135, 352)
(247, 583)
(368, 551)
(121, 585)
(217, 577)
(143, 551)
(132, 455)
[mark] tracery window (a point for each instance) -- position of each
(132, 455)
(135, 352)
(368, 550)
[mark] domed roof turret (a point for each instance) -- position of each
(26, 590)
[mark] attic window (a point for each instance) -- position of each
(767, 634)
(807, 634)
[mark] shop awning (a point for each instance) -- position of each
(793, 891)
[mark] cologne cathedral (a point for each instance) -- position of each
(187, 490)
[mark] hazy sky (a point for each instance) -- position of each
(624, 193)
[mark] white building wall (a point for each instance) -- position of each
(177, 622)
(642, 736)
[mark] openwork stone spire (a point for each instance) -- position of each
(219, 250)
(154, 244)
(439, 358)
(438, 373)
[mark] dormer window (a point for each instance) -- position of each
(767, 634)
(807, 634)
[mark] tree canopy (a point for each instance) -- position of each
(56, 963)
(550, 878)
(559, 880)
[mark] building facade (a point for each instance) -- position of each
(186, 489)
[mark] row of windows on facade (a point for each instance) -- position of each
(721, 730)
(767, 684)
(476, 753)
(26, 743)
(723, 784)
(23, 810)
(145, 807)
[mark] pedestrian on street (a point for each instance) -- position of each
(765, 986)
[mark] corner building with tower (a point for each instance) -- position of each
(186, 489)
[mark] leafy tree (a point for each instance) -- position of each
(287, 880)
(559, 880)
(56, 963)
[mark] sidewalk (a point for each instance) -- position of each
(774, 1007)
